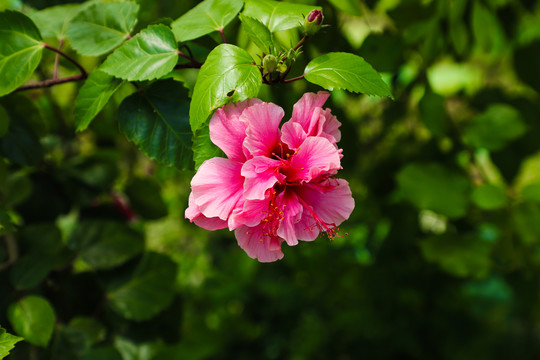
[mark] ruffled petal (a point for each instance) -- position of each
(258, 246)
(250, 213)
(306, 229)
(293, 134)
(292, 214)
(331, 200)
(217, 187)
(194, 215)
(306, 111)
(315, 157)
(262, 128)
(227, 131)
(261, 173)
(330, 128)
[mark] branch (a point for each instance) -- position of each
(75, 62)
(49, 83)
(300, 43)
(293, 79)
(190, 58)
(57, 59)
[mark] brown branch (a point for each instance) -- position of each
(57, 59)
(293, 79)
(190, 58)
(73, 61)
(52, 82)
(300, 43)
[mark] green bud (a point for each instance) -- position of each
(270, 63)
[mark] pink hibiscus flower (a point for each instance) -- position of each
(275, 185)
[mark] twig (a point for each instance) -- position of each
(52, 82)
(75, 62)
(222, 36)
(190, 58)
(293, 79)
(300, 43)
(57, 59)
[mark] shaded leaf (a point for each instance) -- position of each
(30, 270)
(93, 96)
(345, 71)
(33, 318)
(144, 196)
(228, 75)
(157, 121)
(258, 33)
(20, 50)
(151, 54)
(148, 291)
(278, 15)
(52, 21)
(526, 59)
(206, 17)
(101, 27)
(350, 7)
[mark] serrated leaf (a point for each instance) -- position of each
(33, 318)
(228, 75)
(7, 342)
(206, 17)
(93, 96)
(20, 50)
(278, 15)
(52, 21)
(148, 291)
(157, 121)
(101, 27)
(339, 70)
(151, 54)
(257, 32)
(105, 244)
(203, 147)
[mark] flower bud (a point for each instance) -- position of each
(313, 22)
(270, 63)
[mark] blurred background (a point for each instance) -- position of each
(442, 256)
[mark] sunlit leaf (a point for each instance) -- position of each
(258, 33)
(33, 318)
(7, 342)
(278, 15)
(52, 21)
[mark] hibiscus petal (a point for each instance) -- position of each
(227, 131)
(194, 215)
(292, 213)
(258, 246)
(331, 200)
(262, 128)
(330, 129)
(251, 213)
(306, 229)
(316, 156)
(293, 134)
(217, 187)
(261, 173)
(306, 111)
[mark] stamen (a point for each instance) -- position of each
(331, 230)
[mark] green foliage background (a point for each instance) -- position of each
(442, 256)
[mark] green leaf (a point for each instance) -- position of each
(157, 121)
(493, 129)
(526, 219)
(278, 15)
(228, 75)
(144, 196)
(489, 197)
(52, 21)
(104, 244)
(101, 27)
(433, 113)
(434, 187)
(151, 54)
(258, 33)
(7, 342)
(487, 30)
(93, 96)
(148, 291)
(134, 351)
(21, 145)
(203, 147)
(345, 71)
(33, 318)
(30, 270)
(20, 50)
(206, 17)
(349, 7)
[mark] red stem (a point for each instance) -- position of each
(49, 83)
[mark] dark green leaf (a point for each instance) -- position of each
(41, 238)
(433, 113)
(101, 27)
(489, 197)
(20, 50)
(33, 318)
(151, 54)
(7, 342)
(30, 270)
(93, 96)
(133, 351)
(345, 71)
(203, 147)
(278, 15)
(144, 196)
(206, 17)
(149, 291)
(227, 70)
(487, 30)
(21, 145)
(258, 33)
(157, 121)
(102, 353)
(52, 21)
(493, 129)
(4, 121)
(84, 332)
(434, 187)
(104, 244)
(526, 59)
(526, 219)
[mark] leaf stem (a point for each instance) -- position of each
(190, 58)
(75, 62)
(293, 79)
(300, 43)
(52, 82)
(57, 59)
(222, 35)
